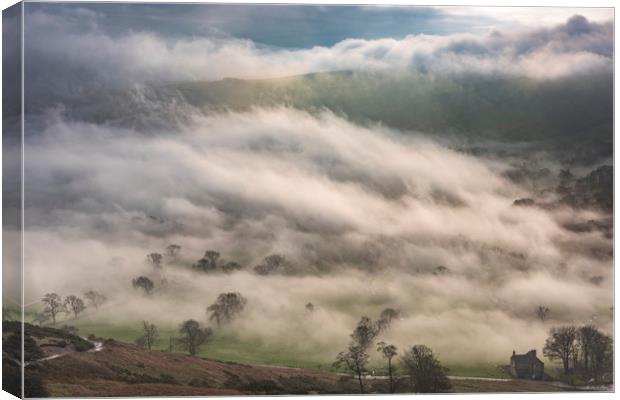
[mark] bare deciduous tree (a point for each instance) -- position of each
(356, 357)
(149, 335)
(53, 305)
(585, 339)
(155, 260)
(364, 333)
(388, 351)
(173, 250)
(602, 355)
(426, 374)
(144, 283)
(226, 307)
(193, 335)
(542, 313)
(560, 345)
(75, 305)
(95, 298)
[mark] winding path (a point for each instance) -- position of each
(98, 346)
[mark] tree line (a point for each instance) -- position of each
(584, 351)
(424, 372)
(191, 333)
(74, 305)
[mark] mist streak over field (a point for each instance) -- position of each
(365, 215)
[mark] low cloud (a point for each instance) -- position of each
(62, 56)
(364, 214)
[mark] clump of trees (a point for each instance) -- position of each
(143, 283)
(426, 374)
(193, 335)
(274, 264)
(150, 335)
(584, 351)
(226, 307)
(441, 270)
(230, 267)
(211, 262)
(54, 304)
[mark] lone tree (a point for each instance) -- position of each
(53, 305)
(560, 345)
(209, 262)
(386, 317)
(75, 305)
(193, 335)
(149, 335)
(155, 259)
(173, 250)
(144, 283)
(310, 307)
(356, 357)
(542, 313)
(96, 299)
(426, 374)
(226, 307)
(388, 351)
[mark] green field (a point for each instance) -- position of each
(227, 347)
(222, 347)
(231, 348)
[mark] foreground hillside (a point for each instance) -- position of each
(125, 370)
(112, 368)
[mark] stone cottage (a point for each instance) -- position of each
(526, 366)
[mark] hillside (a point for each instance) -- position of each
(570, 114)
(119, 369)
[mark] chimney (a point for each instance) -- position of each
(513, 353)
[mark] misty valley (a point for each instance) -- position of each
(206, 216)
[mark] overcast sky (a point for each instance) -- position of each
(301, 26)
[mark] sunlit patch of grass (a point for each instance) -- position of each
(232, 348)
